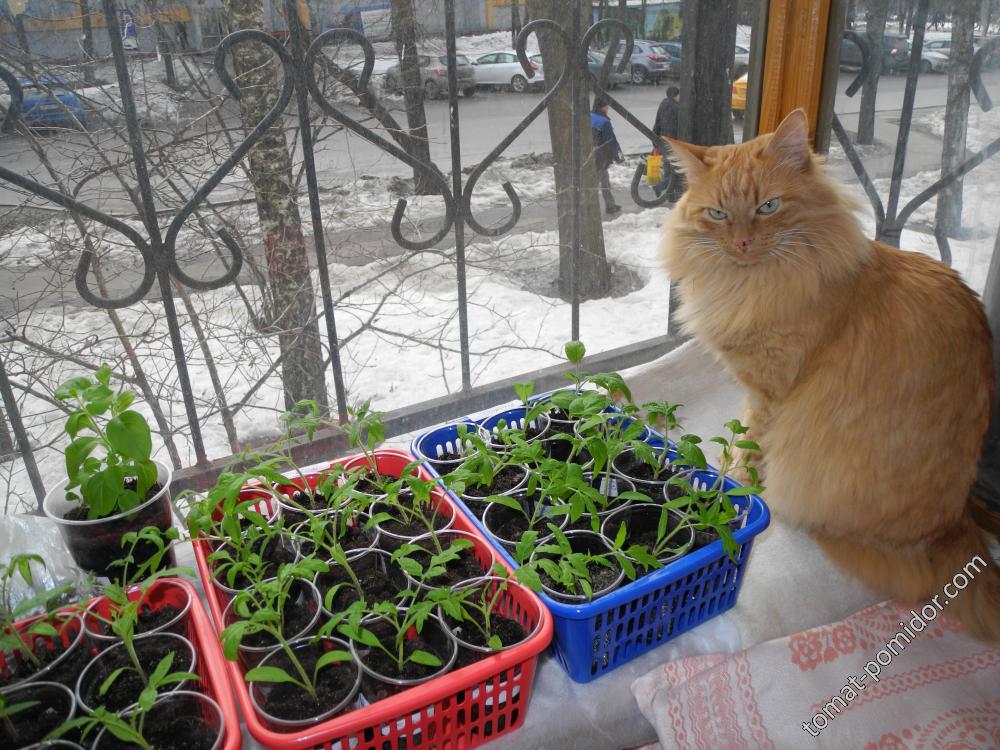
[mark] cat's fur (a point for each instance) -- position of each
(868, 370)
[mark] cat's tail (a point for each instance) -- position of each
(969, 577)
(953, 570)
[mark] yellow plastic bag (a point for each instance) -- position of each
(654, 164)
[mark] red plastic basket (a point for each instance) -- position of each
(462, 709)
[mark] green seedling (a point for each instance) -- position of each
(19, 640)
(401, 623)
(105, 450)
(475, 605)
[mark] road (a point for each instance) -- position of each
(484, 119)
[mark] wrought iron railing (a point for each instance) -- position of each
(298, 60)
(890, 219)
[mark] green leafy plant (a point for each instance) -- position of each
(365, 431)
(109, 443)
(129, 728)
(572, 570)
(711, 507)
(400, 623)
(408, 501)
(249, 558)
(262, 609)
(123, 621)
(475, 605)
(483, 463)
(572, 492)
(424, 565)
(12, 639)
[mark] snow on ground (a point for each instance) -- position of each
(984, 127)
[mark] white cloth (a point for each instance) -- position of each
(938, 689)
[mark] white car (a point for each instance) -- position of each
(503, 69)
(933, 61)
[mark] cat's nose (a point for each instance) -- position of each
(744, 244)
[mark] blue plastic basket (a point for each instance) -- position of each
(599, 636)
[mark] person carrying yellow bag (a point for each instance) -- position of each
(666, 125)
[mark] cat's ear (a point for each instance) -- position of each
(790, 142)
(687, 157)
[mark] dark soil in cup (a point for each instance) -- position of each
(311, 500)
(149, 619)
(378, 586)
(504, 481)
(297, 616)
(584, 523)
(600, 578)
(356, 537)
(558, 416)
(635, 468)
(124, 691)
(373, 484)
(32, 724)
(290, 702)
(510, 631)
(48, 652)
(704, 537)
(96, 547)
(170, 726)
(380, 662)
(410, 530)
(507, 523)
(645, 533)
(79, 512)
(447, 462)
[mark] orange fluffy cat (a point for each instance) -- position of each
(868, 370)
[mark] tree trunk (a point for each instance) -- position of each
(592, 265)
(878, 12)
(515, 22)
(22, 42)
(7, 451)
(404, 34)
(642, 21)
(290, 291)
(163, 47)
(708, 35)
(87, 42)
(956, 115)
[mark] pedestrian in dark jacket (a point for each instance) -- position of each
(606, 151)
(668, 116)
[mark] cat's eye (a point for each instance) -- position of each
(716, 215)
(769, 206)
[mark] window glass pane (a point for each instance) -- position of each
(947, 126)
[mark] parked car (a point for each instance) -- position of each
(595, 62)
(503, 69)
(895, 53)
(933, 61)
(650, 61)
(741, 62)
(434, 76)
(673, 50)
(739, 104)
(41, 109)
